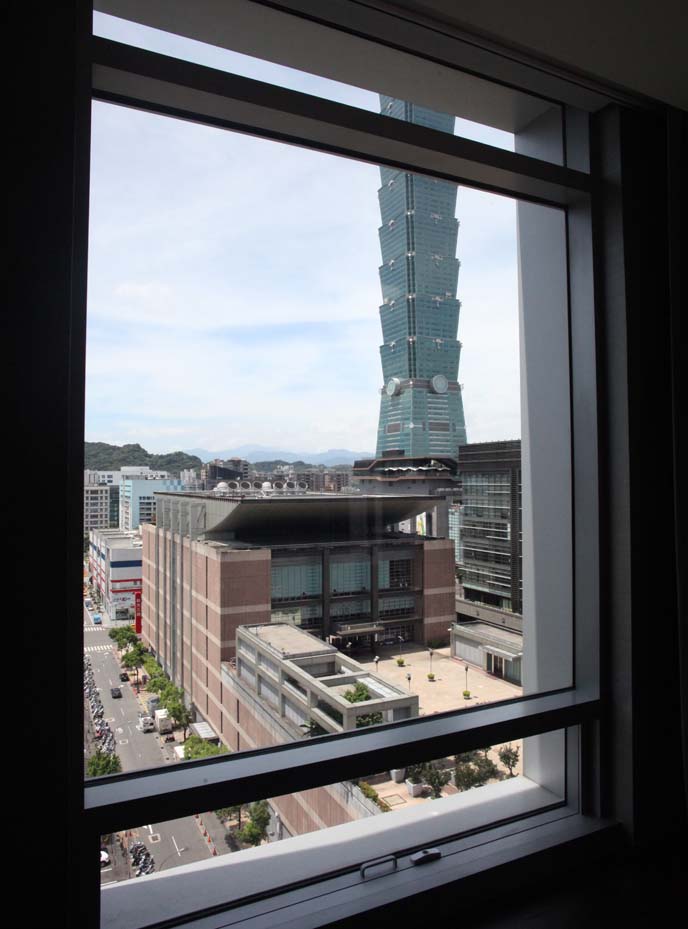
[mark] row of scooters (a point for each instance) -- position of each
(101, 729)
(141, 859)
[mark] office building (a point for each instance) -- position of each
(327, 564)
(421, 408)
(488, 536)
(96, 507)
(137, 500)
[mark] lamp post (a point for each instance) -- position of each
(430, 654)
(376, 659)
(401, 642)
(466, 676)
(408, 678)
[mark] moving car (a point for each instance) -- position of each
(123, 676)
(97, 619)
(115, 692)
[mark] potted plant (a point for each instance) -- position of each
(415, 774)
(398, 775)
(431, 676)
(400, 662)
(466, 695)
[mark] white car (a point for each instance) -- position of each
(104, 858)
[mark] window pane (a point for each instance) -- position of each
(340, 543)
(397, 85)
(271, 843)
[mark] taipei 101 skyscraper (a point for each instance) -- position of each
(421, 408)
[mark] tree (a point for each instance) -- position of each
(181, 714)
(473, 769)
(509, 755)
(133, 659)
(259, 814)
(103, 763)
(436, 778)
(250, 834)
(123, 636)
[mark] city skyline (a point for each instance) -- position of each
(233, 284)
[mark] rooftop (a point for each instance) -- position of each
(288, 641)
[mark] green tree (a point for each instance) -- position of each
(250, 834)
(259, 814)
(123, 636)
(509, 755)
(180, 713)
(436, 778)
(133, 659)
(230, 812)
(103, 763)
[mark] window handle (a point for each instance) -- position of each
(379, 862)
(425, 856)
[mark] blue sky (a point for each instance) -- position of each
(233, 282)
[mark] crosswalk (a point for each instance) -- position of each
(92, 628)
(98, 648)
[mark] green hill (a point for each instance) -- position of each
(99, 456)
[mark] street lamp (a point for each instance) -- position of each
(408, 678)
(401, 642)
(376, 659)
(430, 654)
(466, 676)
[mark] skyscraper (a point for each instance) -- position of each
(421, 409)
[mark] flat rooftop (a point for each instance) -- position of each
(289, 641)
(484, 632)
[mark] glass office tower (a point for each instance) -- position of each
(421, 409)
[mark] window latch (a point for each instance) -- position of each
(425, 856)
(388, 863)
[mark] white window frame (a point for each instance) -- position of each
(153, 82)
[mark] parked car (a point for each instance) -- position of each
(123, 676)
(115, 692)
(97, 619)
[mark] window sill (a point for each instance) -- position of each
(251, 874)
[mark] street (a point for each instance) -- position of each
(178, 841)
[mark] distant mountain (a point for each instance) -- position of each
(99, 456)
(262, 453)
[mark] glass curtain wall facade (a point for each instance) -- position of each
(421, 408)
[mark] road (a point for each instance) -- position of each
(172, 843)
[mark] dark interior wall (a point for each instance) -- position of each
(49, 188)
(630, 43)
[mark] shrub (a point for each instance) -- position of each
(431, 676)
(466, 694)
(415, 773)
(400, 662)
(373, 795)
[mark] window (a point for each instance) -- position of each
(369, 738)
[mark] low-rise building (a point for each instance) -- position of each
(115, 570)
(489, 638)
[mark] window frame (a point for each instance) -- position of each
(134, 77)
